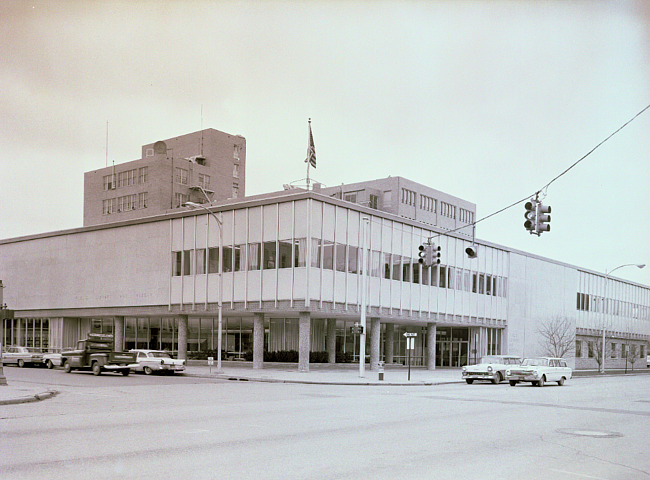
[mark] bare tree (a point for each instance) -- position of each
(558, 336)
(632, 354)
(598, 350)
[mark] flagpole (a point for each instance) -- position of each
(308, 162)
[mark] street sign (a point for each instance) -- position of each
(210, 360)
(410, 343)
(407, 334)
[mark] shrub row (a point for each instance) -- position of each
(284, 356)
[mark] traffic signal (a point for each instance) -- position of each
(542, 219)
(434, 255)
(422, 254)
(531, 214)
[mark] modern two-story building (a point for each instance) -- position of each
(284, 272)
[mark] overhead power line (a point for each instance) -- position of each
(564, 172)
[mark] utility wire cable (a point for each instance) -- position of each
(549, 183)
(594, 149)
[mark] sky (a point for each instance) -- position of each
(486, 101)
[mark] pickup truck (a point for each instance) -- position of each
(96, 353)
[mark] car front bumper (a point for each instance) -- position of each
(531, 377)
(479, 375)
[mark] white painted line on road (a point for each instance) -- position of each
(197, 431)
(583, 475)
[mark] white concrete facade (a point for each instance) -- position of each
(293, 260)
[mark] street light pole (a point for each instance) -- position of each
(220, 303)
(607, 308)
(364, 288)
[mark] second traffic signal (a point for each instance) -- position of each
(433, 254)
(542, 219)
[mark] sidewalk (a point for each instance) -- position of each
(325, 374)
(11, 394)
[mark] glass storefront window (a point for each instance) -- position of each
(142, 333)
(193, 334)
(205, 335)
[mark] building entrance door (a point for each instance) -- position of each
(452, 346)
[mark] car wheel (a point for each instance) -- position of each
(49, 364)
(67, 368)
(513, 383)
(469, 380)
(560, 382)
(97, 369)
(497, 378)
(21, 363)
(126, 372)
(147, 370)
(542, 381)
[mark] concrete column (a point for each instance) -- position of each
(182, 337)
(431, 346)
(118, 338)
(258, 341)
(304, 341)
(389, 339)
(331, 340)
(375, 335)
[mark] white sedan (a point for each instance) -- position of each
(22, 356)
(490, 367)
(149, 361)
(540, 370)
(52, 359)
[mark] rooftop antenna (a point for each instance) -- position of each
(201, 129)
(107, 143)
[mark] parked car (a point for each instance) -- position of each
(490, 367)
(149, 361)
(52, 360)
(540, 370)
(22, 356)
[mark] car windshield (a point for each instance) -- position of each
(160, 354)
(535, 362)
(491, 359)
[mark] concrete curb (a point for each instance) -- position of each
(237, 378)
(30, 398)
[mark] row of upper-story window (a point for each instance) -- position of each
(126, 178)
(593, 303)
(430, 204)
(181, 176)
(373, 199)
(125, 203)
(333, 256)
(237, 149)
(593, 350)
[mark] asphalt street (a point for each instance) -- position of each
(189, 427)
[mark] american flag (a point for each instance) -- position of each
(311, 150)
